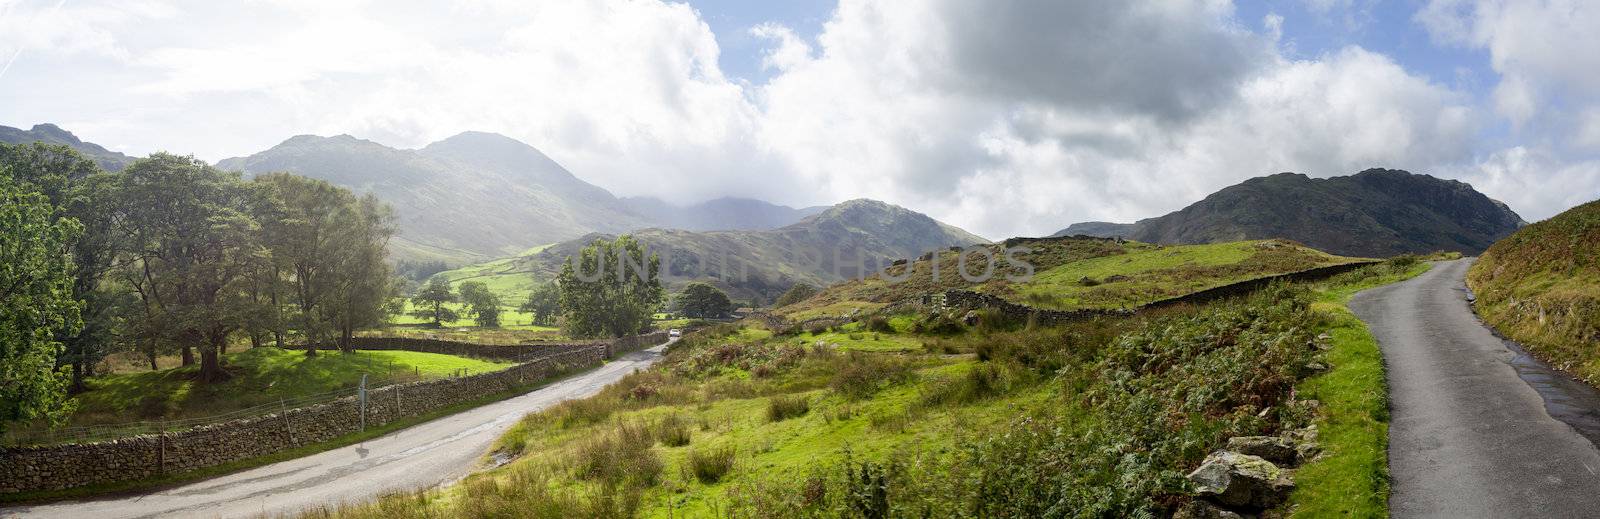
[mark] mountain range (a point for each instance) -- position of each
(476, 195)
(760, 265)
(1374, 213)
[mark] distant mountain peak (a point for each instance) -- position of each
(49, 133)
(1377, 212)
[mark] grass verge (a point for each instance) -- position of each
(1351, 479)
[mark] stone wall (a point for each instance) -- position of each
(467, 349)
(56, 467)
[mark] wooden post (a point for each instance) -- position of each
(363, 393)
(288, 434)
(161, 457)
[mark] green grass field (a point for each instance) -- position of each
(1146, 273)
(260, 376)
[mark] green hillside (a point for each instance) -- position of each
(1541, 287)
(1079, 273)
(765, 263)
(1099, 418)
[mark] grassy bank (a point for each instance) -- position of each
(1097, 418)
(1351, 477)
(1074, 274)
(1541, 287)
(260, 376)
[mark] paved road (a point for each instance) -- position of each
(426, 455)
(1477, 428)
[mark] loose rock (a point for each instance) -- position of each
(1271, 448)
(1198, 509)
(1238, 480)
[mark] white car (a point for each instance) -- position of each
(674, 333)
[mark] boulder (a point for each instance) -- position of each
(1198, 509)
(1280, 451)
(971, 319)
(1241, 481)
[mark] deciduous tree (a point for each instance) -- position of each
(193, 245)
(36, 303)
(613, 290)
(482, 305)
(430, 302)
(703, 300)
(544, 303)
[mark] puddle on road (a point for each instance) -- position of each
(1571, 401)
(1566, 399)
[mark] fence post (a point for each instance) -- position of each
(161, 456)
(397, 412)
(283, 413)
(363, 393)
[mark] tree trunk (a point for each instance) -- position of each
(223, 348)
(150, 353)
(344, 338)
(77, 375)
(277, 335)
(188, 355)
(211, 359)
(255, 340)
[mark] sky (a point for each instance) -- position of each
(1006, 118)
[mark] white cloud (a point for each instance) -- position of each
(1042, 115)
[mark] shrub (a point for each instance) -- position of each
(880, 324)
(859, 375)
(1404, 261)
(782, 407)
(622, 455)
(867, 489)
(711, 465)
(673, 431)
(937, 325)
(982, 381)
(818, 328)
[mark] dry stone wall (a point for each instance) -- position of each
(58, 467)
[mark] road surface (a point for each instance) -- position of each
(1478, 429)
(422, 456)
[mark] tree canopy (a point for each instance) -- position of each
(36, 291)
(172, 254)
(544, 303)
(482, 305)
(703, 300)
(430, 300)
(612, 291)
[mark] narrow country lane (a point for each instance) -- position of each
(421, 456)
(1478, 428)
